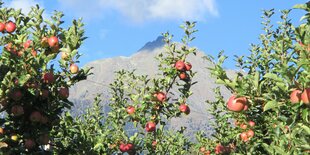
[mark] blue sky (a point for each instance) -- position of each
(121, 27)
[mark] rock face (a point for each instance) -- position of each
(83, 93)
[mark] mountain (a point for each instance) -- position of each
(152, 45)
(83, 93)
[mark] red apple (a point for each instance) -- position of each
(250, 133)
(74, 68)
(130, 147)
(17, 110)
(236, 104)
(243, 126)
(123, 148)
(184, 108)
(150, 127)
(2, 27)
(244, 136)
(27, 44)
(161, 97)
(48, 77)
(16, 95)
(126, 147)
(29, 144)
(53, 41)
(295, 96)
(35, 116)
(219, 149)
(130, 110)
(179, 65)
(188, 66)
(251, 123)
(183, 76)
(305, 96)
(63, 92)
(10, 27)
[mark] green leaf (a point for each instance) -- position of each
(279, 150)
(273, 76)
(305, 128)
(268, 148)
(220, 81)
(98, 146)
(305, 114)
(300, 6)
(271, 105)
(24, 79)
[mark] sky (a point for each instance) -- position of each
(121, 27)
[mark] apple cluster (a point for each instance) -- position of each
(182, 68)
(8, 27)
(129, 148)
(247, 134)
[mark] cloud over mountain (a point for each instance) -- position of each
(142, 10)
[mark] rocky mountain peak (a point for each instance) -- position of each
(151, 45)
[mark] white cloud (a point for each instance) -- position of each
(22, 4)
(26, 5)
(143, 10)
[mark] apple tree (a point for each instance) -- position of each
(269, 109)
(34, 80)
(140, 109)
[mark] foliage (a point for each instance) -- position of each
(268, 112)
(33, 88)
